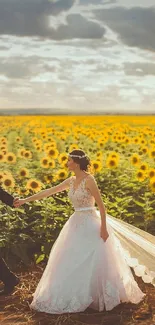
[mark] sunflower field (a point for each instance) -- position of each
(33, 156)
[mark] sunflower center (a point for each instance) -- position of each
(143, 167)
(61, 174)
(45, 161)
(51, 152)
(23, 173)
(112, 163)
(7, 182)
(10, 158)
(34, 184)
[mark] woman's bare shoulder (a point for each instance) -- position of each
(91, 178)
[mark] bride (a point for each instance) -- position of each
(90, 262)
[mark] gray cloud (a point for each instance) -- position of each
(79, 27)
(139, 69)
(4, 48)
(32, 18)
(13, 8)
(96, 2)
(17, 68)
(135, 26)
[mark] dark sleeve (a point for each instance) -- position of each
(6, 198)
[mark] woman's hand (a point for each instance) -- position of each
(19, 202)
(104, 234)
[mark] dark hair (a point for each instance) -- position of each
(83, 162)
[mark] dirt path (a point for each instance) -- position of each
(14, 309)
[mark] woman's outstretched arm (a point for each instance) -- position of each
(45, 193)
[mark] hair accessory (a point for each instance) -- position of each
(76, 156)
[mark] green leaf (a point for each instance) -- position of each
(139, 203)
(59, 218)
(19, 210)
(40, 258)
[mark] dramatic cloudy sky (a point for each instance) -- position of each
(78, 54)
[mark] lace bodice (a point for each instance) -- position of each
(81, 196)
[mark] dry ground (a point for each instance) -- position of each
(14, 309)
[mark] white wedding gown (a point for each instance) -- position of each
(83, 270)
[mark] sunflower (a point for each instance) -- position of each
(114, 154)
(8, 181)
(65, 165)
(34, 139)
(152, 153)
(63, 137)
(114, 138)
(101, 140)
(101, 143)
(34, 185)
(73, 147)
(127, 140)
(23, 191)
(38, 148)
(99, 159)
(49, 178)
(2, 157)
(119, 138)
(7, 173)
(136, 140)
(21, 152)
(99, 154)
(144, 167)
(135, 160)
(24, 172)
(151, 172)
(18, 139)
(143, 141)
(62, 174)
(38, 143)
(27, 154)
(44, 136)
(3, 148)
(44, 162)
(51, 145)
(152, 184)
(96, 165)
(52, 163)
(53, 153)
(140, 175)
(111, 162)
(4, 152)
(152, 141)
(3, 139)
(63, 157)
(10, 158)
(144, 149)
(4, 142)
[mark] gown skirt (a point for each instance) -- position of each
(84, 271)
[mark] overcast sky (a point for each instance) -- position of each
(78, 54)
